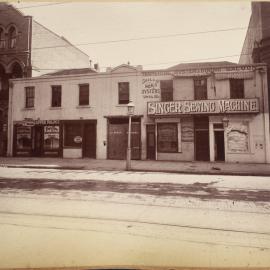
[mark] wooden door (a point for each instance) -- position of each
(151, 142)
(89, 141)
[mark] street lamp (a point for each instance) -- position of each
(130, 112)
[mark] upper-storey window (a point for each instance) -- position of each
(84, 94)
(2, 39)
(236, 88)
(12, 35)
(166, 88)
(200, 88)
(56, 95)
(29, 97)
(123, 92)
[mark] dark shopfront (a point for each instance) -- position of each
(118, 137)
(47, 138)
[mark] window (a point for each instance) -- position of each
(166, 88)
(23, 138)
(29, 97)
(84, 94)
(51, 137)
(123, 92)
(12, 37)
(167, 139)
(73, 135)
(200, 88)
(236, 88)
(2, 39)
(56, 95)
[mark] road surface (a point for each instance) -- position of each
(64, 218)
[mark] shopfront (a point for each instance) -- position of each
(37, 138)
(54, 138)
(201, 130)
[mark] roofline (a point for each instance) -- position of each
(61, 37)
(109, 74)
(16, 9)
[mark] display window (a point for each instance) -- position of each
(23, 138)
(73, 135)
(51, 138)
(167, 137)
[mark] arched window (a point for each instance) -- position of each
(2, 38)
(17, 71)
(12, 35)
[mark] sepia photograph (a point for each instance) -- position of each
(134, 135)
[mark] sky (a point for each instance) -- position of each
(168, 32)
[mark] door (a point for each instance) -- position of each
(151, 142)
(38, 138)
(118, 139)
(89, 141)
(201, 126)
(219, 146)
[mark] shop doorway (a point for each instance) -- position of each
(201, 127)
(118, 136)
(219, 145)
(89, 141)
(38, 137)
(151, 142)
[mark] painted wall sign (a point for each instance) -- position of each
(187, 131)
(201, 71)
(237, 138)
(150, 88)
(203, 107)
(32, 122)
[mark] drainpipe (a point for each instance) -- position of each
(10, 117)
(265, 110)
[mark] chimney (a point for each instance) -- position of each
(96, 67)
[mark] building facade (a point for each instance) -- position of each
(28, 49)
(205, 112)
(256, 47)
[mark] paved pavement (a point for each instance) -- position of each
(140, 165)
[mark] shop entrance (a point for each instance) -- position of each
(38, 141)
(151, 142)
(201, 127)
(219, 142)
(89, 143)
(118, 136)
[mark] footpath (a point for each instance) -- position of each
(195, 167)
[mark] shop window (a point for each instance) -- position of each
(56, 95)
(84, 94)
(2, 39)
(23, 138)
(73, 135)
(167, 137)
(29, 97)
(12, 37)
(200, 88)
(166, 88)
(123, 92)
(51, 137)
(236, 88)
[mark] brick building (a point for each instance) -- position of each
(28, 49)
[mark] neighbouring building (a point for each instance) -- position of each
(204, 111)
(256, 47)
(27, 49)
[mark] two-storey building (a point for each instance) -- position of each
(207, 111)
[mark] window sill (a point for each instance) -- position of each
(84, 106)
(28, 109)
(122, 105)
(55, 108)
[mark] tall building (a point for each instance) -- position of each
(256, 47)
(27, 49)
